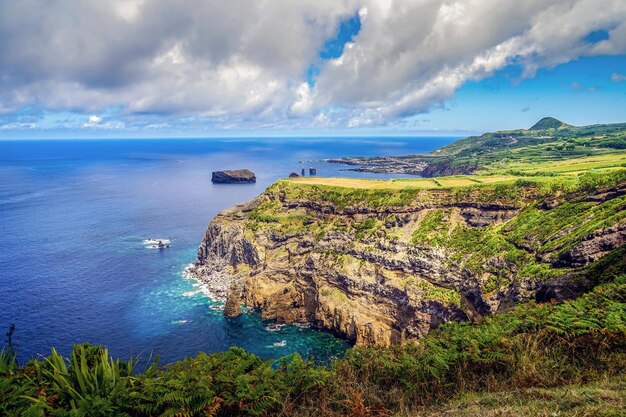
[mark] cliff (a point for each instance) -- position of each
(379, 262)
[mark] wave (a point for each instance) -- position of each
(19, 198)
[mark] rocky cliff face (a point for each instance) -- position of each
(378, 269)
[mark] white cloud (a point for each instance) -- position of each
(17, 126)
(304, 99)
(245, 62)
(618, 77)
(96, 122)
(413, 54)
(93, 121)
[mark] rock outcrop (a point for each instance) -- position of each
(594, 246)
(239, 176)
(232, 307)
(379, 271)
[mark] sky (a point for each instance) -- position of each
(202, 68)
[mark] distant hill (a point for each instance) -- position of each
(548, 123)
(548, 140)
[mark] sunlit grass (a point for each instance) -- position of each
(494, 179)
(456, 181)
(359, 183)
(573, 165)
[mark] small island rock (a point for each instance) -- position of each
(232, 308)
(238, 176)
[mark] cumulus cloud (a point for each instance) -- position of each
(244, 62)
(93, 120)
(97, 122)
(618, 77)
(198, 57)
(415, 53)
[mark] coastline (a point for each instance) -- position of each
(213, 278)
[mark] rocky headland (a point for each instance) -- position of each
(379, 266)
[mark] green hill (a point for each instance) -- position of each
(548, 123)
(548, 141)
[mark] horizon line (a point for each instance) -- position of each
(84, 138)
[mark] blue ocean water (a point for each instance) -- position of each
(73, 215)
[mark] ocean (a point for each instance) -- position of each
(74, 213)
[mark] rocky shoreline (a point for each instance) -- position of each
(408, 165)
(214, 276)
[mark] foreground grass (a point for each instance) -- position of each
(602, 398)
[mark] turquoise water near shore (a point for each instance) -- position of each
(73, 215)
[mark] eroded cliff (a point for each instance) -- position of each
(386, 263)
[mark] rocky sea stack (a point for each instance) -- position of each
(237, 176)
(232, 308)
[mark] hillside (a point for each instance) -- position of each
(549, 140)
(548, 123)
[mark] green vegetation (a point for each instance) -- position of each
(434, 292)
(534, 231)
(430, 228)
(341, 197)
(535, 348)
(336, 295)
(539, 229)
(548, 123)
(366, 228)
(603, 398)
(543, 179)
(525, 151)
(527, 243)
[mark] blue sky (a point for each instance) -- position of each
(579, 92)
(320, 69)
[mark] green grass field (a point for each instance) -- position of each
(508, 173)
